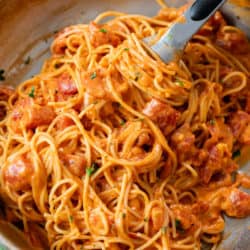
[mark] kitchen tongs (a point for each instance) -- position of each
(172, 43)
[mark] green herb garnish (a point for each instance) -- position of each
(92, 169)
(122, 122)
(93, 75)
(164, 230)
(178, 225)
(126, 49)
(71, 218)
(27, 60)
(123, 215)
(141, 119)
(32, 92)
(145, 219)
(236, 154)
(103, 30)
(212, 122)
(179, 82)
(2, 77)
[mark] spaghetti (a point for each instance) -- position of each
(110, 148)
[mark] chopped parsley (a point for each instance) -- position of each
(178, 225)
(212, 122)
(236, 154)
(32, 92)
(2, 77)
(164, 230)
(122, 122)
(103, 30)
(145, 219)
(179, 82)
(71, 218)
(123, 215)
(126, 49)
(141, 119)
(92, 169)
(27, 60)
(93, 75)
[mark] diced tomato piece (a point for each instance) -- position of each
(27, 114)
(157, 217)
(76, 163)
(183, 141)
(235, 42)
(102, 34)
(144, 139)
(237, 203)
(66, 85)
(64, 122)
(86, 122)
(220, 133)
(219, 161)
(95, 84)
(215, 23)
(200, 207)
(180, 213)
(18, 173)
(162, 114)
(240, 125)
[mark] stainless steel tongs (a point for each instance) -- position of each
(175, 39)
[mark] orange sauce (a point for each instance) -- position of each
(241, 3)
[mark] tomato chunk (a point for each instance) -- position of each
(162, 114)
(64, 122)
(66, 85)
(237, 203)
(102, 34)
(75, 163)
(240, 125)
(18, 173)
(27, 114)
